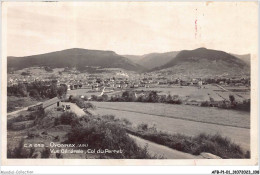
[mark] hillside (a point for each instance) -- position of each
(246, 58)
(79, 58)
(204, 62)
(133, 58)
(200, 62)
(152, 60)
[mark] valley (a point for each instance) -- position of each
(171, 101)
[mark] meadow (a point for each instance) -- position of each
(193, 93)
(186, 93)
(79, 92)
(212, 115)
(183, 119)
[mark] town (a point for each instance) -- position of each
(121, 80)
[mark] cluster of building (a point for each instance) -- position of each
(122, 80)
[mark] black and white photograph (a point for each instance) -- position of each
(130, 80)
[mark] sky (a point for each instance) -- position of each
(133, 28)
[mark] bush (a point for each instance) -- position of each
(128, 96)
(31, 116)
(67, 118)
(46, 153)
(94, 97)
(22, 120)
(153, 97)
(86, 118)
(215, 144)
(25, 73)
(148, 97)
(79, 102)
(109, 117)
(20, 152)
(205, 104)
(224, 104)
(162, 99)
(89, 106)
(143, 127)
(107, 135)
(35, 94)
(103, 98)
(245, 106)
(127, 122)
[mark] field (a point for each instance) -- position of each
(37, 71)
(193, 113)
(183, 119)
(192, 93)
(85, 92)
(186, 93)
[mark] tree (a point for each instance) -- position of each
(25, 73)
(169, 99)
(34, 93)
(53, 91)
(232, 100)
(70, 97)
(128, 96)
(162, 99)
(62, 91)
(153, 97)
(94, 97)
(104, 97)
(22, 90)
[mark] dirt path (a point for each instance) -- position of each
(15, 112)
(74, 108)
(10, 114)
(159, 150)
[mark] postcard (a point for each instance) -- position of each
(129, 83)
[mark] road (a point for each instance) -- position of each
(15, 112)
(155, 149)
(74, 108)
(10, 114)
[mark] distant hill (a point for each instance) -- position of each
(152, 60)
(133, 58)
(200, 62)
(203, 62)
(246, 57)
(79, 58)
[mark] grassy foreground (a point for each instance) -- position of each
(108, 132)
(215, 144)
(98, 133)
(14, 102)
